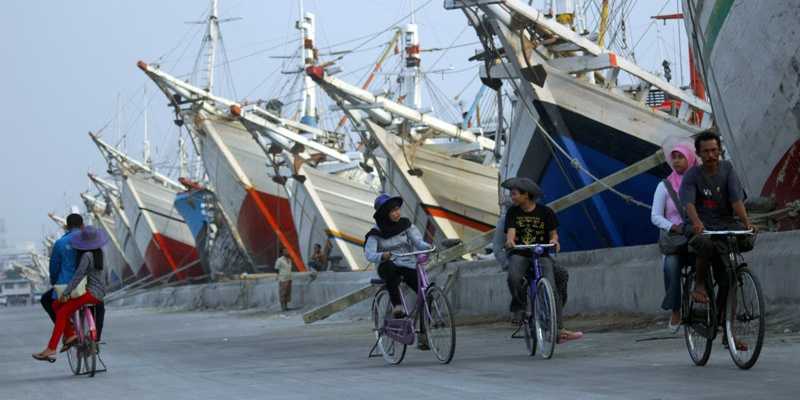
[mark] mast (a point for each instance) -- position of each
(411, 78)
(146, 147)
(308, 103)
(212, 38)
(182, 157)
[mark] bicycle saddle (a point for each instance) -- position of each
(448, 243)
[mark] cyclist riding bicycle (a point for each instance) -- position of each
(713, 195)
(528, 222)
(395, 234)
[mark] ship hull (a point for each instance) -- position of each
(752, 77)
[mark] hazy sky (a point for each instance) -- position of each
(67, 63)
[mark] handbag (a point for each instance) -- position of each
(79, 290)
(668, 241)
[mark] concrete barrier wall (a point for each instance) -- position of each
(626, 280)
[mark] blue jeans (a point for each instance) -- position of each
(673, 264)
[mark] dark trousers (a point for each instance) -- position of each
(98, 309)
(518, 268)
(392, 275)
(715, 252)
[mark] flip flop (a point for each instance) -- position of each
(564, 337)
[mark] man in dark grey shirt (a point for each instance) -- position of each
(713, 195)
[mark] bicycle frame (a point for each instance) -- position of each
(537, 250)
(403, 328)
(84, 318)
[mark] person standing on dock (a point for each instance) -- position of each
(284, 267)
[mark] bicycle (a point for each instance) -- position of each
(540, 309)
(392, 335)
(744, 304)
(83, 355)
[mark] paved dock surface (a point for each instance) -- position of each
(154, 354)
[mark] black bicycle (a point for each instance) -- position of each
(744, 319)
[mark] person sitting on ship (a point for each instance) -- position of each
(713, 195)
(395, 234)
(319, 258)
(668, 214)
(528, 222)
(88, 243)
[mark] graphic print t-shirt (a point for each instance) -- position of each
(712, 196)
(532, 227)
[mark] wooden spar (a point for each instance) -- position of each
(378, 65)
(480, 241)
(396, 108)
(60, 221)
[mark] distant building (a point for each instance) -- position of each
(16, 292)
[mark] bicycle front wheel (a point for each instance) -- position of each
(440, 325)
(393, 352)
(699, 323)
(545, 319)
(527, 326)
(744, 319)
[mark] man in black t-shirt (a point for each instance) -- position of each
(530, 223)
(712, 194)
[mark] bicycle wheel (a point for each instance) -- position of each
(527, 325)
(700, 323)
(744, 319)
(440, 325)
(392, 352)
(75, 358)
(544, 310)
(91, 357)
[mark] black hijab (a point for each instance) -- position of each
(386, 227)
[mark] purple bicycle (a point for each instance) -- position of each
(392, 335)
(539, 324)
(83, 355)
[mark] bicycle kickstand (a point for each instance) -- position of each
(372, 352)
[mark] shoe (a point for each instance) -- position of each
(398, 311)
(422, 342)
(673, 328)
(44, 357)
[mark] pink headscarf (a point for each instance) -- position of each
(675, 178)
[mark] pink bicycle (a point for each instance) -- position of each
(83, 355)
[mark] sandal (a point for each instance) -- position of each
(699, 297)
(68, 343)
(564, 337)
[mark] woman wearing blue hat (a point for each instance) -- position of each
(88, 243)
(393, 233)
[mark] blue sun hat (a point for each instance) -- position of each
(89, 238)
(384, 200)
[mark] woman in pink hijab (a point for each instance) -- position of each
(667, 216)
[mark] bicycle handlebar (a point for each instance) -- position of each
(531, 246)
(414, 253)
(731, 232)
